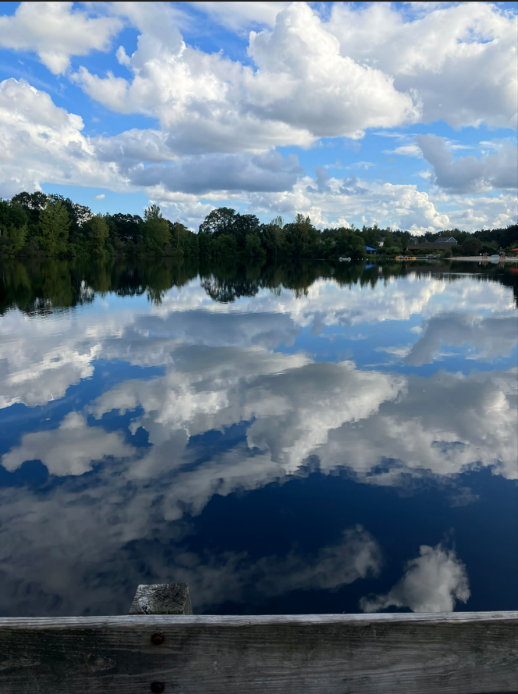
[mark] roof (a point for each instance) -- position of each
(368, 248)
(446, 239)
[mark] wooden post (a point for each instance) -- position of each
(162, 598)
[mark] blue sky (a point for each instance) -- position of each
(270, 108)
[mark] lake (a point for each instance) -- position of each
(292, 438)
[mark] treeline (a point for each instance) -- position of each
(34, 224)
(485, 241)
(41, 286)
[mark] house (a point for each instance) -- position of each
(446, 239)
(440, 244)
(369, 249)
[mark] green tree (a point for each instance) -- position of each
(471, 246)
(218, 221)
(18, 236)
(253, 247)
(98, 234)
(32, 204)
(224, 246)
(54, 224)
(156, 229)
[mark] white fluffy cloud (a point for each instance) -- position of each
(433, 582)
(444, 425)
(488, 337)
(56, 31)
(69, 450)
(302, 89)
(468, 174)
(401, 206)
(460, 58)
(41, 142)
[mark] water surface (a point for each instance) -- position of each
(294, 438)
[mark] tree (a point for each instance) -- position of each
(54, 224)
(18, 236)
(218, 221)
(224, 246)
(253, 247)
(471, 246)
(156, 229)
(98, 234)
(32, 204)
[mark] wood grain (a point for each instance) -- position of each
(451, 653)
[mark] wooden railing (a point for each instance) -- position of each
(445, 653)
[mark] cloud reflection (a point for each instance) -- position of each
(432, 582)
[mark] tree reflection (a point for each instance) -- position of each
(39, 286)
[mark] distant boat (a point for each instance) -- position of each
(344, 260)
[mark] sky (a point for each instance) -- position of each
(400, 114)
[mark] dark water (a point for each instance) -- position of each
(286, 439)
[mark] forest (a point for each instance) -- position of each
(36, 224)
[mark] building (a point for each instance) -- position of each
(440, 244)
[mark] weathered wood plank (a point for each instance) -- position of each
(453, 653)
(162, 598)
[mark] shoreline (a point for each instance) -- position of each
(473, 258)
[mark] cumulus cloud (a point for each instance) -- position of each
(292, 403)
(468, 174)
(56, 31)
(460, 58)
(433, 582)
(41, 142)
(69, 450)
(401, 206)
(231, 172)
(442, 426)
(302, 89)
(486, 337)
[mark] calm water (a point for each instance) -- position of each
(299, 438)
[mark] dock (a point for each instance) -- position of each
(173, 651)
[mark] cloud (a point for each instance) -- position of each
(433, 582)
(302, 89)
(357, 555)
(40, 363)
(291, 402)
(69, 450)
(460, 58)
(406, 151)
(230, 172)
(439, 426)
(41, 142)
(101, 196)
(238, 16)
(56, 31)
(468, 174)
(400, 206)
(486, 337)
